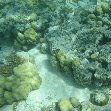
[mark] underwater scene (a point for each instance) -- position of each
(55, 55)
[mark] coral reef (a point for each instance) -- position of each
(19, 23)
(99, 98)
(87, 106)
(71, 104)
(75, 33)
(75, 102)
(98, 101)
(27, 38)
(27, 78)
(43, 48)
(12, 61)
(65, 105)
(17, 79)
(79, 41)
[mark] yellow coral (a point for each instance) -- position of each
(105, 6)
(65, 105)
(30, 35)
(99, 10)
(76, 62)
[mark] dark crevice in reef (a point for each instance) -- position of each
(104, 40)
(104, 64)
(92, 71)
(92, 81)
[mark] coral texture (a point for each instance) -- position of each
(18, 80)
